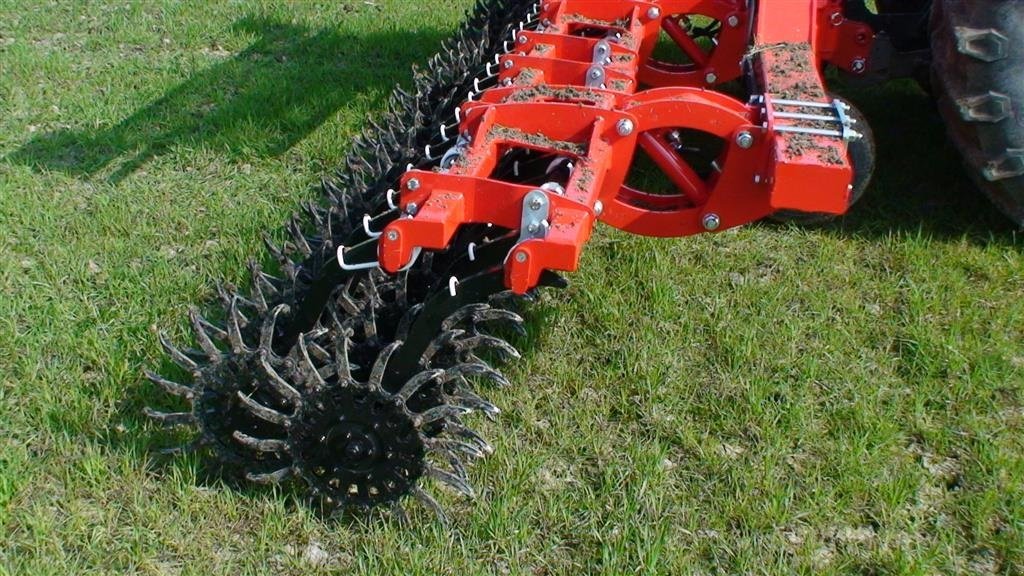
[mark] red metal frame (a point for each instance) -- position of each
(552, 100)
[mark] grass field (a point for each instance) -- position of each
(845, 399)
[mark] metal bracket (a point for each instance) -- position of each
(839, 116)
(602, 57)
(534, 222)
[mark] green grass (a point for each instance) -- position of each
(846, 399)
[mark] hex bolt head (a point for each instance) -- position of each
(711, 221)
(733, 21)
(520, 256)
(533, 228)
(595, 73)
(836, 18)
(744, 139)
(859, 65)
(598, 208)
(711, 78)
(653, 13)
(413, 184)
(536, 204)
(522, 39)
(508, 64)
(411, 208)
(624, 127)
(392, 235)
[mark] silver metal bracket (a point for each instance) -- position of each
(534, 222)
(602, 57)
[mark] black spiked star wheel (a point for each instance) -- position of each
(357, 445)
(254, 393)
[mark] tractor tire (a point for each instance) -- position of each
(978, 80)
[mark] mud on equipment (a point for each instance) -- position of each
(351, 365)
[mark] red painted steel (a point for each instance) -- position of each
(571, 89)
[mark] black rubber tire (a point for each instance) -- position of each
(978, 81)
(861, 153)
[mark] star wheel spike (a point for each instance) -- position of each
(357, 445)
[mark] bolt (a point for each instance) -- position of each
(598, 208)
(836, 19)
(413, 184)
(508, 64)
(536, 204)
(859, 65)
(595, 73)
(744, 139)
(392, 235)
(520, 256)
(624, 127)
(411, 208)
(733, 21)
(522, 39)
(711, 221)
(711, 78)
(757, 178)
(653, 13)
(533, 228)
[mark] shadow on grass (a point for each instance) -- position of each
(259, 102)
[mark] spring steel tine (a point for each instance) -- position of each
(427, 500)
(171, 387)
(311, 370)
(436, 413)
(270, 478)
(267, 328)
(234, 328)
(471, 400)
(170, 419)
(450, 480)
(402, 332)
(486, 341)
(439, 342)
(466, 433)
(262, 412)
(458, 467)
(260, 444)
(465, 448)
(377, 373)
(414, 384)
(342, 367)
(202, 337)
(283, 388)
(476, 369)
(179, 357)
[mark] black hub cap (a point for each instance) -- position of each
(356, 446)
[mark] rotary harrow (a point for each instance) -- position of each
(353, 368)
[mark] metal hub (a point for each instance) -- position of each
(357, 446)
